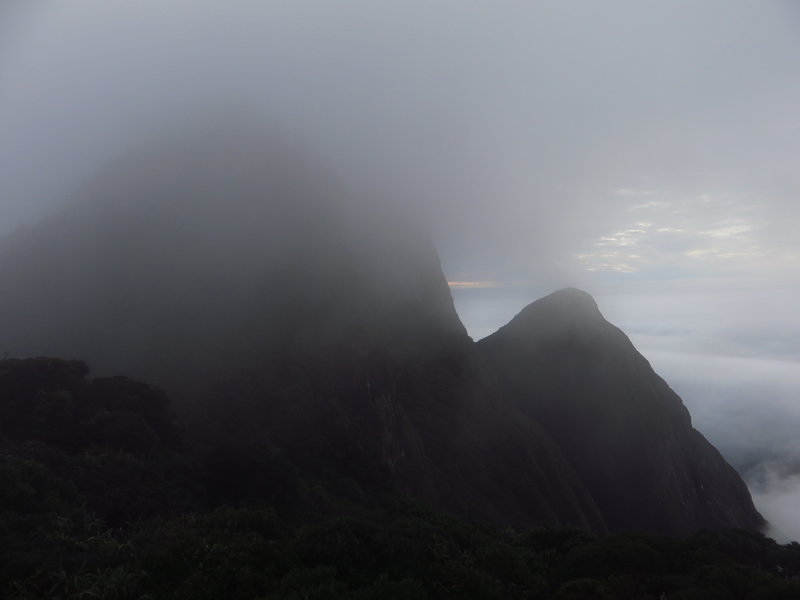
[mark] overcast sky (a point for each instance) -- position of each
(646, 151)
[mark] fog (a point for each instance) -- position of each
(646, 152)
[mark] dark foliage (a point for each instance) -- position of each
(50, 400)
(98, 499)
(247, 474)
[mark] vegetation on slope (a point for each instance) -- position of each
(101, 498)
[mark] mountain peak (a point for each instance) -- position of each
(564, 310)
(568, 300)
(618, 424)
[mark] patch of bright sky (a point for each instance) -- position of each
(701, 234)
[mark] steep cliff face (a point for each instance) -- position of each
(619, 425)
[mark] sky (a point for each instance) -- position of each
(647, 152)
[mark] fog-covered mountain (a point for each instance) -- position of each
(277, 310)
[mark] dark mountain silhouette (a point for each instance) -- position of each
(620, 426)
(276, 311)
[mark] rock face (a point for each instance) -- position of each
(619, 425)
(276, 311)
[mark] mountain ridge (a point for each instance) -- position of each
(276, 312)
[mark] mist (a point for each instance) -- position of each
(647, 152)
(513, 127)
